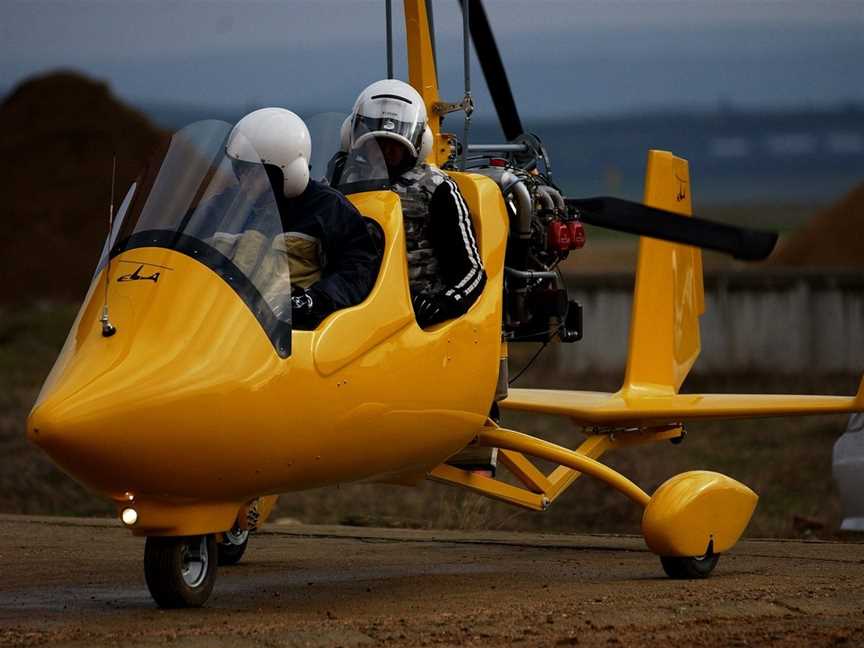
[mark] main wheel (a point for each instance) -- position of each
(233, 546)
(180, 572)
(689, 567)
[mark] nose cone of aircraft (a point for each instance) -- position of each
(161, 403)
(150, 415)
(89, 429)
(143, 424)
(79, 447)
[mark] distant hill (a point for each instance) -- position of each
(833, 239)
(60, 133)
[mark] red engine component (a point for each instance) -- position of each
(564, 237)
(559, 236)
(577, 235)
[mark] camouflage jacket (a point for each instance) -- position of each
(443, 255)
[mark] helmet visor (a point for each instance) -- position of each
(409, 133)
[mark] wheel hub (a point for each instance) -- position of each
(236, 536)
(195, 561)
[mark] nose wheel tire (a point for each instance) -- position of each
(180, 572)
(233, 546)
(689, 567)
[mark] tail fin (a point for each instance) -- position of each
(669, 297)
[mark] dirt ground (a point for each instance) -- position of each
(79, 582)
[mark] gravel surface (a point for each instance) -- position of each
(79, 582)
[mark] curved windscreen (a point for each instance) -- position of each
(364, 169)
(325, 133)
(360, 169)
(195, 200)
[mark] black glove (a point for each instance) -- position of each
(308, 308)
(431, 309)
(301, 302)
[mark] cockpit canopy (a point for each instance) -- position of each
(195, 200)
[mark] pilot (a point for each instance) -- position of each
(445, 271)
(332, 259)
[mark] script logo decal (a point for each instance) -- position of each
(682, 189)
(137, 274)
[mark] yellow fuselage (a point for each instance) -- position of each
(188, 410)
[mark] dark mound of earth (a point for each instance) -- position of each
(60, 134)
(834, 238)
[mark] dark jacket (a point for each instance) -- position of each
(347, 255)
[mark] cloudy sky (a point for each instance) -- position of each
(564, 58)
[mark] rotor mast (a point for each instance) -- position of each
(422, 74)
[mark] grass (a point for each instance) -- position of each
(786, 461)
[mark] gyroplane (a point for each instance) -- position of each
(184, 394)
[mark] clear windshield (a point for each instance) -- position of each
(194, 199)
(360, 169)
(325, 131)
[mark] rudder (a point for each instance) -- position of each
(668, 298)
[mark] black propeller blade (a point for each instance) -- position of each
(636, 218)
(493, 69)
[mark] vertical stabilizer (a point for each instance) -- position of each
(669, 297)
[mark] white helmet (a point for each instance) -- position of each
(278, 138)
(393, 109)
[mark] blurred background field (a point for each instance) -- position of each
(773, 129)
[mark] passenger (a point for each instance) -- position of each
(332, 259)
(445, 270)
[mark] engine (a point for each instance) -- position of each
(543, 232)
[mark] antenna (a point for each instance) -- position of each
(108, 329)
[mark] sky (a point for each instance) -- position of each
(564, 58)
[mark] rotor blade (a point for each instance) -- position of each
(493, 69)
(636, 218)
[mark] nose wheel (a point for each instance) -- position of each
(180, 571)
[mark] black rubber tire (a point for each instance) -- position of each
(164, 561)
(686, 568)
(230, 553)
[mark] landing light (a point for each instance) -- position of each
(129, 516)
